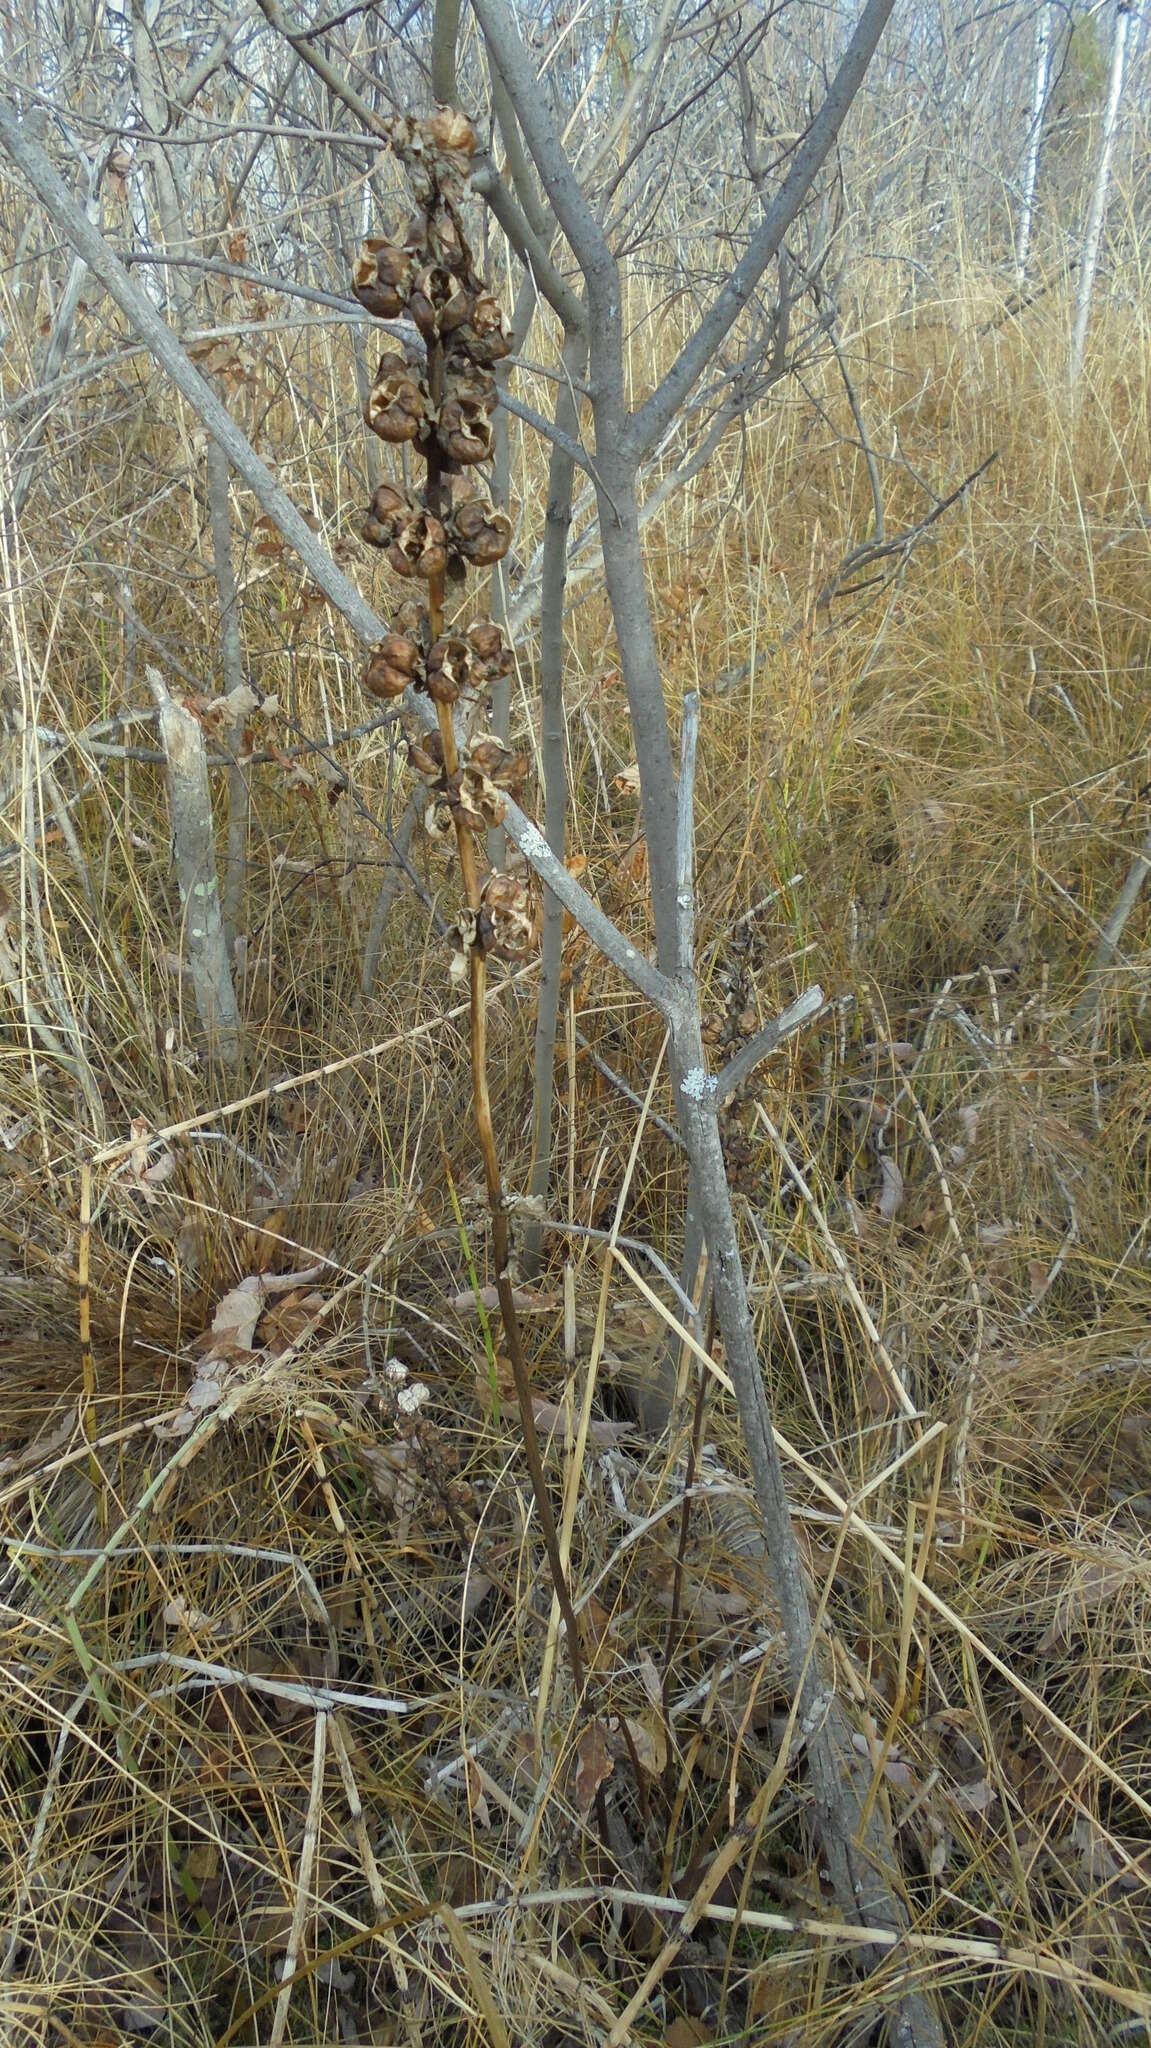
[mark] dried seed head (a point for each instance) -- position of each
(410, 618)
(490, 776)
(394, 665)
(465, 934)
(438, 821)
(426, 755)
(487, 754)
(508, 918)
(468, 807)
(451, 130)
(464, 430)
(438, 302)
(496, 765)
(381, 277)
(419, 548)
(382, 678)
(390, 509)
(444, 241)
(465, 379)
(448, 670)
(485, 335)
(480, 532)
(491, 658)
(398, 402)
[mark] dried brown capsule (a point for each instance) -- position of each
(393, 667)
(438, 302)
(485, 334)
(419, 548)
(491, 759)
(398, 402)
(491, 657)
(448, 670)
(508, 918)
(492, 774)
(411, 619)
(451, 130)
(464, 430)
(443, 240)
(391, 506)
(438, 820)
(381, 277)
(427, 755)
(480, 532)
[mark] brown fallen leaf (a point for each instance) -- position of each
(594, 1765)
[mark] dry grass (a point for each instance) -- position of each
(932, 794)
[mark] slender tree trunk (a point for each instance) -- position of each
(1034, 140)
(553, 752)
(1093, 234)
(232, 666)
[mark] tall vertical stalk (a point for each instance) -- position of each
(445, 418)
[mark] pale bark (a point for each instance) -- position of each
(1096, 213)
(854, 1850)
(1034, 141)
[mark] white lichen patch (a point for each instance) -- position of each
(698, 1085)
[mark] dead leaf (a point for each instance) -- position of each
(529, 1301)
(234, 1323)
(594, 1765)
(890, 1197)
(652, 1682)
(627, 781)
(649, 1741)
(603, 1435)
(503, 1393)
(688, 2033)
(289, 1317)
(978, 1797)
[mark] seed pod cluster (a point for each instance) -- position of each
(436, 153)
(479, 531)
(508, 918)
(415, 541)
(445, 412)
(476, 794)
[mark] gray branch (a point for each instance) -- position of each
(699, 350)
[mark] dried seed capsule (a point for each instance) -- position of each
(381, 277)
(464, 431)
(482, 534)
(448, 670)
(419, 549)
(485, 335)
(411, 619)
(443, 239)
(398, 402)
(383, 679)
(438, 302)
(401, 652)
(427, 755)
(465, 379)
(487, 754)
(492, 658)
(390, 508)
(451, 130)
(438, 821)
(508, 918)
